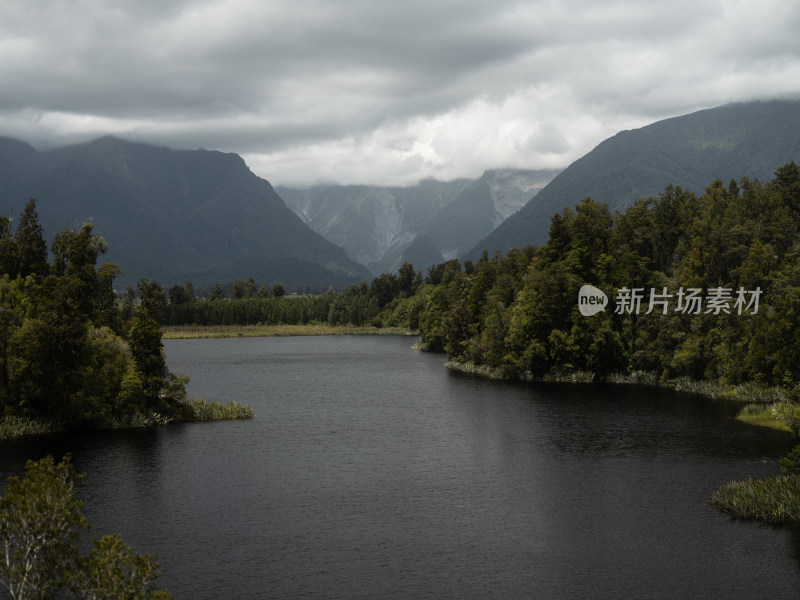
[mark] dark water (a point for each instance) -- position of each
(370, 471)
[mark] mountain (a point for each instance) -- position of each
(378, 226)
(19, 165)
(422, 253)
(172, 215)
(729, 142)
(482, 206)
(369, 221)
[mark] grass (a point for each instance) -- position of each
(774, 499)
(13, 427)
(640, 377)
(207, 410)
(762, 415)
(182, 332)
(492, 373)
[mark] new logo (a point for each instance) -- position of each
(591, 300)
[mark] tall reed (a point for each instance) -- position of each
(208, 410)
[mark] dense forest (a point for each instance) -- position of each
(67, 357)
(519, 313)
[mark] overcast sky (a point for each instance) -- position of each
(386, 92)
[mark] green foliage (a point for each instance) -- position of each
(153, 300)
(518, 312)
(31, 249)
(216, 292)
(40, 523)
(13, 426)
(774, 499)
(148, 352)
(70, 355)
(789, 413)
(112, 571)
(790, 464)
(206, 410)
(278, 290)
(40, 520)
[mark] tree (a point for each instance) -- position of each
(153, 300)
(11, 315)
(405, 279)
(178, 295)
(384, 288)
(216, 292)
(128, 302)
(278, 290)
(144, 338)
(8, 248)
(31, 247)
(237, 289)
(190, 295)
(105, 298)
(112, 571)
(250, 288)
(75, 255)
(40, 522)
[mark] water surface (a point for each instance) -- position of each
(370, 471)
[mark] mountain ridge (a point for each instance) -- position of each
(173, 215)
(749, 139)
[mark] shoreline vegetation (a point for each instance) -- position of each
(194, 410)
(774, 500)
(763, 406)
(184, 332)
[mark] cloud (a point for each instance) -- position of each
(359, 91)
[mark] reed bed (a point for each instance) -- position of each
(641, 377)
(181, 332)
(13, 427)
(209, 410)
(774, 499)
(783, 415)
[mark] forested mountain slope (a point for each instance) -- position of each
(729, 142)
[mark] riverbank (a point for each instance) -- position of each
(761, 406)
(184, 332)
(773, 500)
(194, 410)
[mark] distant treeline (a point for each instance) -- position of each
(383, 302)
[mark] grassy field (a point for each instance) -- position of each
(183, 332)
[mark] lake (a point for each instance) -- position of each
(371, 471)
